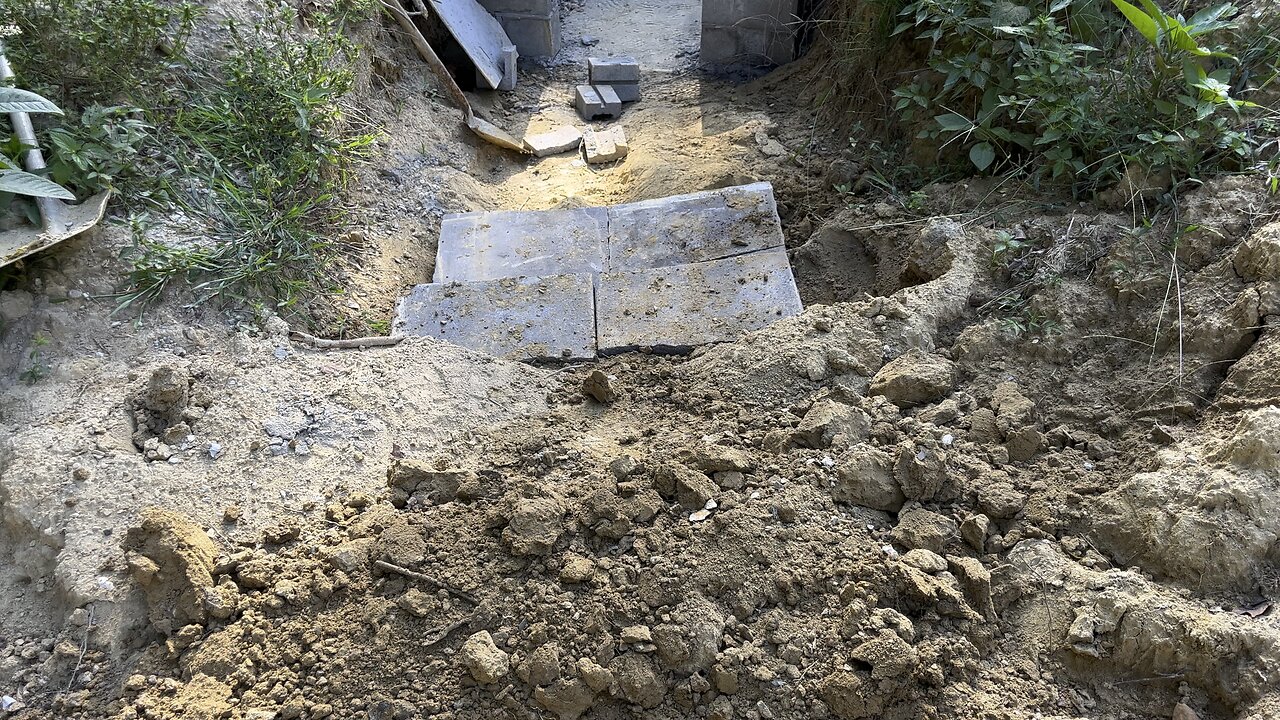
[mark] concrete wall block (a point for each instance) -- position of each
(521, 7)
(534, 36)
(726, 45)
(734, 12)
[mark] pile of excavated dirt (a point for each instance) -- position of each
(887, 508)
(974, 479)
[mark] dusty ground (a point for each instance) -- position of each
(963, 484)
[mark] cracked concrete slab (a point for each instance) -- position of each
(676, 308)
(693, 228)
(491, 245)
(527, 318)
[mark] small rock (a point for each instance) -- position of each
(914, 378)
(577, 569)
(1182, 711)
(598, 385)
(829, 422)
(416, 603)
(636, 634)
(730, 480)
(920, 528)
(865, 477)
(887, 654)
(215, 450)
(482, 658)
(974, 531)
(231, 514)
(589, 40)
(926, 560)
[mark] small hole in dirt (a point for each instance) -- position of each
(842, 265)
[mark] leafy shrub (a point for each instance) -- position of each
(1062, 92)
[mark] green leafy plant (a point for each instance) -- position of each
(100, 150)
(1019, 90)
(37, 368)
(13, 179)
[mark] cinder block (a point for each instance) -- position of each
(613, 70)
(605, 146)
(592, 104)
(508, 62)
(627, 92)
(677, 308)
(521, 7)
(523, 318)
(746, 44)
(533, 35)
(725, 13)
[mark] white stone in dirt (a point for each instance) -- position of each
(605, 146)
(482, 658)
(553, 142)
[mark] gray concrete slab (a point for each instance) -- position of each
(490, 245)
(521, 318)
(479, 33)
(693, 228)
(676, 308)
(536, 35)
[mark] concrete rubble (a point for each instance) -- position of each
(605, 146)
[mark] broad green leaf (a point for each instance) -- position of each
(982, 155)
(1142, 22)
(954, 122)
(1058, 5)
(1211, 14)
(16, 100)
(1157, 15)
(24, 183)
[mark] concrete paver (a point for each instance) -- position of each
(526, 318)
(676, 308)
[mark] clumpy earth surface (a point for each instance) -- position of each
(964, 483)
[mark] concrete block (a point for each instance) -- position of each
(490, 245)
(612, 70)
(524, 318)
(507, 59)
(522, 7)
(626, 92)
(592, 104)
(733, 12)
(676, 308)
(553, 142)
(693, 228)
(533, 35)
(746, 44)
(604, 146)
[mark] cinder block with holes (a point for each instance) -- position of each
(597, 102)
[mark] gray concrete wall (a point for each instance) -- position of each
(749, 31)
(532, 25)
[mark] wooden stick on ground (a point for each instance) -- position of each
(352, 343)
(426, 579)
